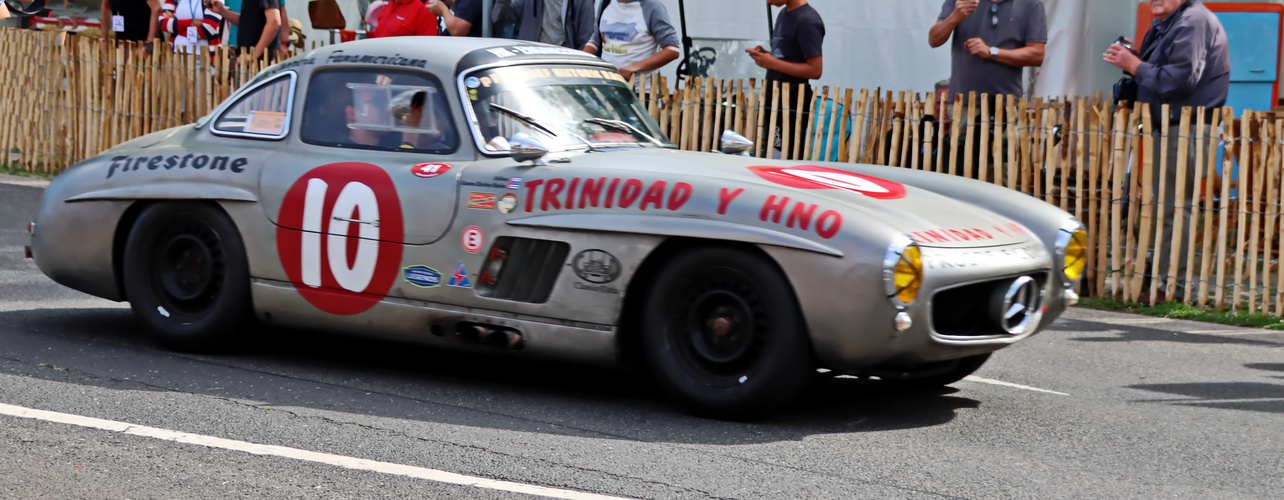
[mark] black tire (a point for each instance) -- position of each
(723, 334)
(934, 375)
(186, 276)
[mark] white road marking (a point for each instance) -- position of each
(297, 454)
(973, 378)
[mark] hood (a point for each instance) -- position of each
(931, 219)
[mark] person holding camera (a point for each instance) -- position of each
(1184, 61)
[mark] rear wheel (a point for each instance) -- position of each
(723, 334)
(934, 375)
(186, 276)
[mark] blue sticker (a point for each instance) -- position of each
(460, 277)
(422, 276)
(514, 183)
(472, 82)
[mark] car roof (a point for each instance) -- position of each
(442, 55)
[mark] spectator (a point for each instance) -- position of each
(795, 58)
(259, 26)
(130, 20)
(191, 23)
(993, 41)
(466, 17)
(636, 36)
(1184, 61)
(569, 23)
(405, 18)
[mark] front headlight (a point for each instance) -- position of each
(1072, 248)
(902, 271)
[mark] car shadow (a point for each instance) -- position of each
(282, 368)
(1136, 333)
(1247, 396)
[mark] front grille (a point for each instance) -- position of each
(968, 310)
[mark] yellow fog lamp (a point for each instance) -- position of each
(1072, 248)
(902, 271)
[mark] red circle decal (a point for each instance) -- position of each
(473, 239)
(340, 236)
(814, 177)
(430, 170)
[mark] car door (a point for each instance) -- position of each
(371, 172)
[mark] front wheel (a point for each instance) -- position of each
(186, 276)
(723, 334)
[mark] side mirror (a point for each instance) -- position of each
(734, 144)
(523, 148)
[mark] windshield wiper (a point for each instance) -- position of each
(529, 120)
(537, 124)
(624, 126)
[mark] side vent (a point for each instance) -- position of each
(522, 269)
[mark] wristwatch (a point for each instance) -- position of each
(994, 53)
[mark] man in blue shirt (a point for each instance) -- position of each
(1184, 61)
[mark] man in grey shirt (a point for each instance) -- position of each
(993, 41)
(569, 23)
(1184, 61)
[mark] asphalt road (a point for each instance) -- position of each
(1101, 406)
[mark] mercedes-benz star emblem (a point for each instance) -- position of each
(1020, 305)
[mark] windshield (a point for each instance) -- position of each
(569, 101)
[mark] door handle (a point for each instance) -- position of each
(374, 223)
(1256, 71)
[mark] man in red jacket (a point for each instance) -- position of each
(405, 18)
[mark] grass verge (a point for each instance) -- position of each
(1178, 310)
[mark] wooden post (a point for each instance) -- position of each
(1179, 203)
(1245, 166)
(786, 126)
(708, 127)
(842, 127)
(1117, 175)
(1141, 114)
(1278, 167)
(1098, 145)
(954, 135)
(814, 125)
(770, 132)
(1224, 209)
(799, 126)
(1258, 167)
(984, 147)
(1205, 165)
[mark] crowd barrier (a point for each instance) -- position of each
(69, 97)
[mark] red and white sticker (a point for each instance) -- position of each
(473, 239)
(340, 236)
(430, 170)
(814, 177)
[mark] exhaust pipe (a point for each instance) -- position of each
(493, 336)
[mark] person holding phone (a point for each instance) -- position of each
(796, 57)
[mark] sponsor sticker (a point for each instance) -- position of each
(422, 276)
(430, 170)
(472, 82)
(473, 239)
(482, 201)
(459, 278)
(596, 266)
(507, 203)
(514, 183)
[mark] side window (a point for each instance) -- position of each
(391, 110)
(262, 113)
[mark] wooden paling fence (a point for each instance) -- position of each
(68, 98)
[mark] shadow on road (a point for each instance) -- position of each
(1136, 333)
(300, 369)
(1248, 396)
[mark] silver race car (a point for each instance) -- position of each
(514, 197)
